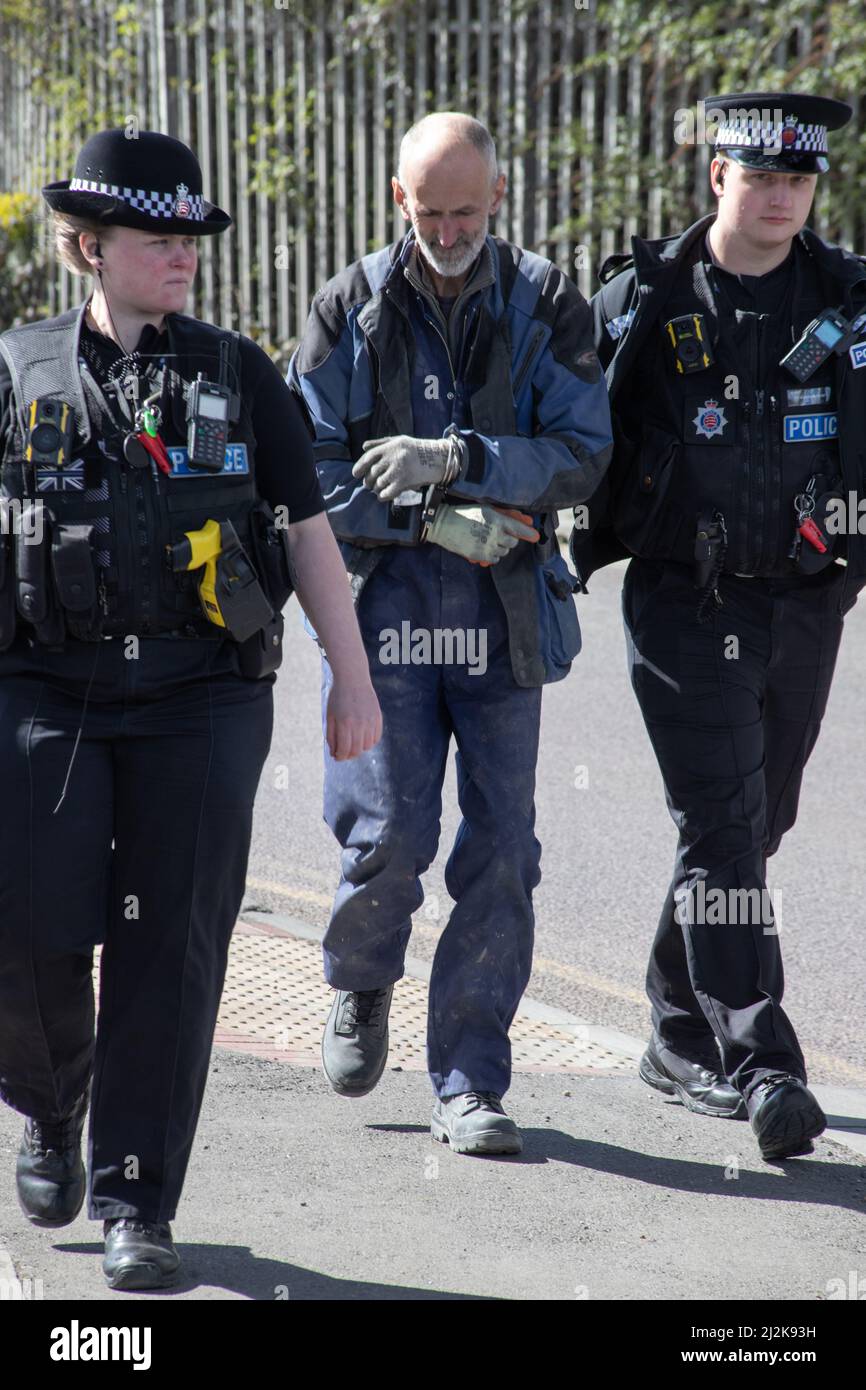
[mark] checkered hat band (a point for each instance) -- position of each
(154, 204)
(756, 134)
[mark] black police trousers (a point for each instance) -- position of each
(733, 707)
(145, 852)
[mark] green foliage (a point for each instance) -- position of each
(678, 51)
(24, 268)
(704, 49)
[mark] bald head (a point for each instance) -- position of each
(435, 137)
(448, 187)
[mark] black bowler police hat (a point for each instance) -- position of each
(149, 181)
(777, 130)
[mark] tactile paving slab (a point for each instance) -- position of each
(275, 1003)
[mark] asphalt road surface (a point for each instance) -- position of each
(608, 842)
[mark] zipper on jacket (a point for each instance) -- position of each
(434, 325)
(841, 380)
(527, 362)
(755, 470)
(151, 546)
(774, 473)
(744, 552)
(138, 512)
(126, 567)
(467, 348)
(758, 517)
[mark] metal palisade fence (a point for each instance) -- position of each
(296, 111)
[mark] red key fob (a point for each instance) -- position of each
(809, 531)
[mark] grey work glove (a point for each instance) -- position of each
(397, 464)
(480, 534)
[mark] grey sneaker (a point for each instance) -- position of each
(355, 1041)
(475, 1123)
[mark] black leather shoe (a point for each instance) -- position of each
(785, 1117)
(49, 1172)
(355, 1041)
(698, 1084)
(139, 1254)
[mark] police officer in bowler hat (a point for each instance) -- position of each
(136, 703)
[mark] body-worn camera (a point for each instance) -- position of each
(50, 431)
(691, 348)
(829, 332)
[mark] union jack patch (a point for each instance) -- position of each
(70, 478)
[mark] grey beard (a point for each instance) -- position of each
(444, 262)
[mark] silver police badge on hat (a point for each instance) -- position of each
(710, 419)
(182, 206)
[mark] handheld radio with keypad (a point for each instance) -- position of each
(207, 424)
(829, 332)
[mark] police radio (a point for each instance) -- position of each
(829, 332)
(692, 351)
(50, 430)
(207, 415)
(210, 408)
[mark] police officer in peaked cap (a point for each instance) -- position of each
(159, 501)
(732, 351)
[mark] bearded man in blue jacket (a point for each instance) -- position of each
(457, 403)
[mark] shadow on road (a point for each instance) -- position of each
(236, 1269)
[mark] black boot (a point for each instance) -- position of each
(695, 1081)
(139, 1254)
(49, 1173)
(785, 1117)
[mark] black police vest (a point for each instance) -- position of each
(741, 437)
(116, 523)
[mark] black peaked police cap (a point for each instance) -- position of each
(786, 131)
(150, 181)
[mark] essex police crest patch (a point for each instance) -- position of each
(710, 419)
(182, 206)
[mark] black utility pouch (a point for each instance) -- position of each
(34, 590)
(262, 653)
(8, 616)
(271, 555)
(708, 544)
(75, 577)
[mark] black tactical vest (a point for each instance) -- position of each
(114, 522)
(742, 437)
